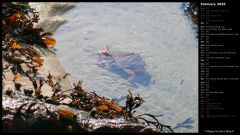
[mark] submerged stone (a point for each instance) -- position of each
(129, 66)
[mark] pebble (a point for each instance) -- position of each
(28, 92)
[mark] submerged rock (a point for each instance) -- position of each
(192, 10)
(129, 66)
(51, 14)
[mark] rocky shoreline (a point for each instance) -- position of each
(51, 62)
(38, 117)
(35, 84)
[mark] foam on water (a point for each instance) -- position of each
(159, 32)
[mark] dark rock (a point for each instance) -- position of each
(9, 91)
(51, 101)
(28, 92)
(40, 97)
(17, 86)
(19, 115)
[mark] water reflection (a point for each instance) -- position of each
(129, 66)
(185, 124)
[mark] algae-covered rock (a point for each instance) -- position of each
(26, 115)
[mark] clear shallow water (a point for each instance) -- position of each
(159, 32)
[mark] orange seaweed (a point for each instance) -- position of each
(16, 77)
(102, 107)
(49, 42)
(15, 45)
(39, 61)
(65, 113)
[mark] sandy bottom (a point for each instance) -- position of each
(159, 32)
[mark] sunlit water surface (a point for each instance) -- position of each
(159, 32)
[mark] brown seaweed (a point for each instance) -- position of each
(32, 113)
